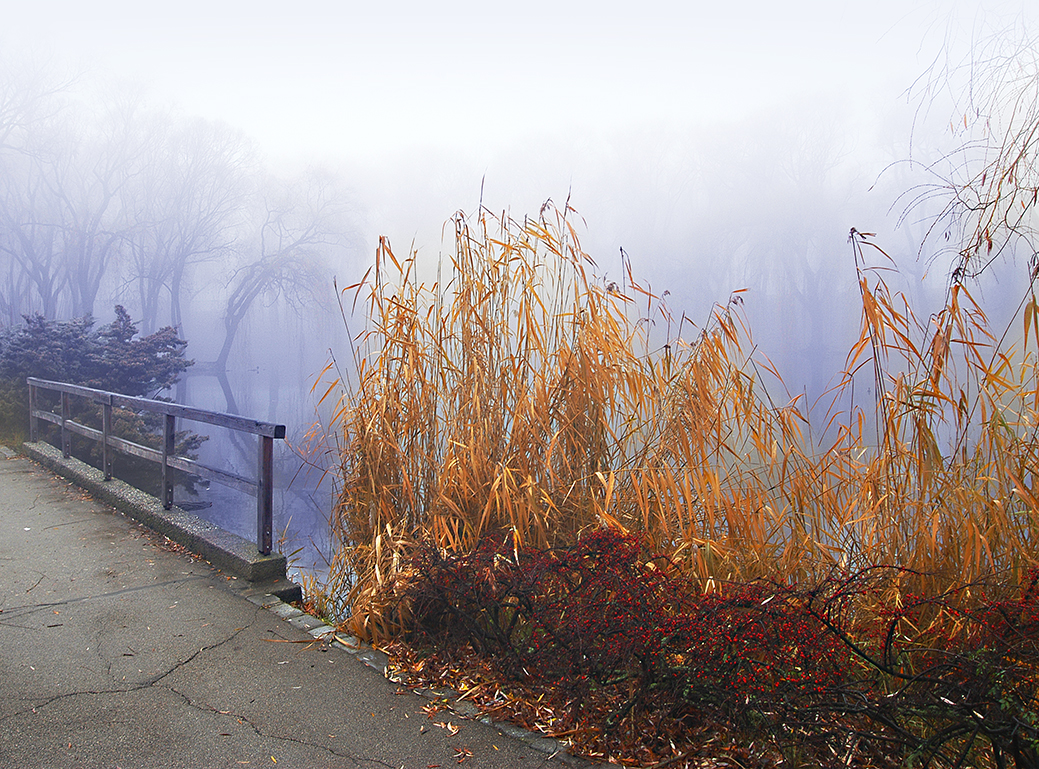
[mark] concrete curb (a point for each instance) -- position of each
(223, 549)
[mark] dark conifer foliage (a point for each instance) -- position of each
(112, 357)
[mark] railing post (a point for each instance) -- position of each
(106, 431)
(168, 449)
(66, 435)
(34, 428)
(265, 497)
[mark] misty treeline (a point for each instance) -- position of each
(105, 199)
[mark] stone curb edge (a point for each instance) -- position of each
(322, 632)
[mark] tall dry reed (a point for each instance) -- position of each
(514, 394)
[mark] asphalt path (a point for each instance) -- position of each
(120, 650)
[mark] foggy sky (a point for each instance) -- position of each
(342, 80)
(712, 141)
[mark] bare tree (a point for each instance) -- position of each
(32, 242)
(297, 227)
(30, 101)
(185, 208)
(61, 202)
(28, 96)
(988, 186)
(88, 181)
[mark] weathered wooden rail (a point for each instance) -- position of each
(262, 488)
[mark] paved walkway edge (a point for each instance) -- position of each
(379, 661)
(188, 530)
(223, 549)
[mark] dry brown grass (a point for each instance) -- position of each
(517, 394)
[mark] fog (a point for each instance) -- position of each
(252, 155)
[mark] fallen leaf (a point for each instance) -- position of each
(462, 754)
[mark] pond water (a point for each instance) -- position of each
(303, 491)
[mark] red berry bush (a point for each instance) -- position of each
(643, 662)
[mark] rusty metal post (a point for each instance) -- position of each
(66, 434)
(168, 450)
(34, 426)
(106, 431)
(265, 497)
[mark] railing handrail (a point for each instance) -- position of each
(222, 419)
(262, 487)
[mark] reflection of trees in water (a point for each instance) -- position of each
(302, 499)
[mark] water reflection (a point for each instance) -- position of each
(302, 491)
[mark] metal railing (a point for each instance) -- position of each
(262, 487)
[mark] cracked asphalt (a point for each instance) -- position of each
(119, 651)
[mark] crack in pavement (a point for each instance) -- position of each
(31, 608)
(156, 682)
(547, 760)
(147, 683)
(241, 719)
(37, 582)
(202, 650)
(67, 523)
(160, 682)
